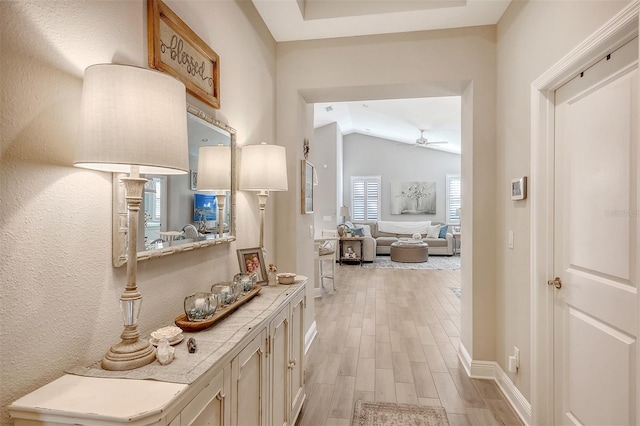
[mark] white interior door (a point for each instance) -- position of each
(596, 241)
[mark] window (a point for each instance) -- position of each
(454, 198)
(365, 197)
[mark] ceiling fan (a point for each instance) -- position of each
(425, 142)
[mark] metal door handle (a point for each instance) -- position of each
(556, 282)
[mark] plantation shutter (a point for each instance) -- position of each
(365, 198)
(454, 198)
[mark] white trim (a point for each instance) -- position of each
(613, 34)
(310, 336)
(490, 370)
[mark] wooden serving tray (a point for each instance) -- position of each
(220, 314)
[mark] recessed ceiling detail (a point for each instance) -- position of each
(290, 20)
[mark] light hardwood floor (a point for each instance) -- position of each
(392, 335)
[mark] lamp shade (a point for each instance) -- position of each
(214, 168)
(132, 116)
(263, 168)
(344, 211)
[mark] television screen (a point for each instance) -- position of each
(205, 207)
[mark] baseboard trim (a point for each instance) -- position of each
(310, 336)
(492, 371)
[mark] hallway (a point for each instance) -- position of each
(392, 335)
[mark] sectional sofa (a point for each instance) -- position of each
(379, 235)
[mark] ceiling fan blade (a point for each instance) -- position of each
(437, 142)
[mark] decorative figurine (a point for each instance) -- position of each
(165, 352)
(191, 345)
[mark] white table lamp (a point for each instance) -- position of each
(214, 174)
(132, 120)
(263, 168)
(344, 212)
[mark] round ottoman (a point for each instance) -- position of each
(410, 252)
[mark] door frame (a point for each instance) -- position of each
(616, 32)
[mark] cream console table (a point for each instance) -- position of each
(252, 374)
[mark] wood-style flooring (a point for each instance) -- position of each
(392, 335)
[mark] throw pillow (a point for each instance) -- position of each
(358, 232)
(366, 229)
(433, 231)
(443, 231)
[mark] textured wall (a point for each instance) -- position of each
(532, 36)
(59, 292)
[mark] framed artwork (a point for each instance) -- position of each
(413, 197)
(251, 260)
(307, 187)
(519, 188)
(175, 49)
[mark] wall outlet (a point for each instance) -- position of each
(310, 231)
(510, 239)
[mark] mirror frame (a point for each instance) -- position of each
(119, 213)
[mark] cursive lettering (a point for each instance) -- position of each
(185, 60)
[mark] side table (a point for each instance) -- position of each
(456, 243)
(358, 257)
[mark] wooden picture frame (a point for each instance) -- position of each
(252, 256)
(175, 49)
(519, 188)
(307, 187)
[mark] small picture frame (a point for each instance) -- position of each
(251, 260)
(519, 188)
(193, 179)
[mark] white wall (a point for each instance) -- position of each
(324, 157)
(532, 36)
(59, 292)
(370, 156)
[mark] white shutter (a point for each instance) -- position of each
(365, 198)
(454, 198)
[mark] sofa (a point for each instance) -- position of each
(379, 235)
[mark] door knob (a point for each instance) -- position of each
(556, 282)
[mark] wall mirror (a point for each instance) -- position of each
(174, 216)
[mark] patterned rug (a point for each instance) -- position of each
(435, 262)
(367, 413)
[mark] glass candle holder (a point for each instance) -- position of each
(226, 292)
(200, 306)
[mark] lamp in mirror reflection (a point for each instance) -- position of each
(214, 174)
(132, 121)
(263, 168)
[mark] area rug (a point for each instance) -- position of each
(451, 263)
(368, 413)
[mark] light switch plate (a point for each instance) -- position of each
(510, 239)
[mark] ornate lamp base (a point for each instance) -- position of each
(127, 355)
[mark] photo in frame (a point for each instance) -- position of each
(251, 260)
(519, 188)
(307, 187)
(176, 49)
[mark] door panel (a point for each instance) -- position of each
(596, 243)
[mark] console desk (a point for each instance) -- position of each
(252, 373)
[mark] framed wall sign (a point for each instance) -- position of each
(175, 49)
(307, 187)
(519, 188)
